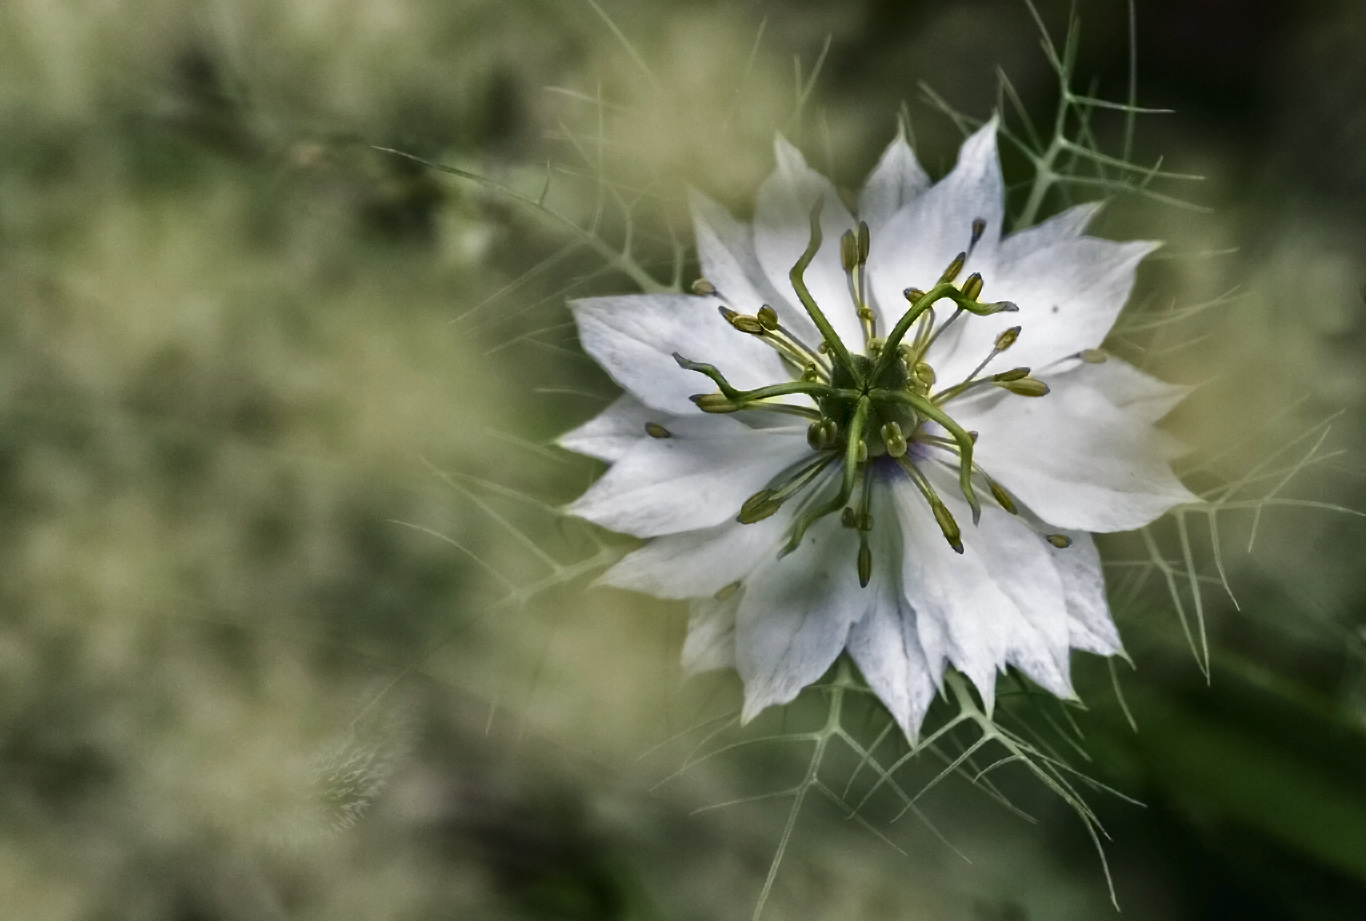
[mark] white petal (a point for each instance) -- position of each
(1069, 296)
(695, 479)
(897, 178)
(612, 432)
(1139, 394)
(1075, 458)
(1089, 624)
(885, 644)
(782, 230)
(725, 249)
(634, 338)
(999, 602)
(698, 563)
(1068, 225)
(919, 242)
(710, 644)
(796, 614)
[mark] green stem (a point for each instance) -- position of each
(835, 344)
(930, 411)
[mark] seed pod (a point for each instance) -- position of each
(821, 434)
(894, 439)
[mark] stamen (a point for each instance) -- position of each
(766, 327)
(1003, 498)
(726, 591)
(715, 403)
(1092, 356)
(973, 286)
(979, 227)
(703, 288)
(854, 438)
(865, 525)
(1004, 341)
(942, 516)
(965, 440)
(956, 266)
(655, 430)
(767, 501)
(1026, 387)
(1061, 541)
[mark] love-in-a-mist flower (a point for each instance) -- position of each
(888, 434)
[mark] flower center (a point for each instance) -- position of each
(871, 407)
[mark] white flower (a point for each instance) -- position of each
(836, 510)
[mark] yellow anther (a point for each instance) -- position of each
(1061, 541)
(715, 403)
(946, 524)
(726, 591)
(954, 268)
(758, 507)
(1003, 498)
(972, 288)
(1027, 387)
(1007, 338)
(849, 250)
(746, 324)
(655, 430)
(703, 287)
(979, 227)
(768, 317)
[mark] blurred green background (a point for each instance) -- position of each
(274, 416)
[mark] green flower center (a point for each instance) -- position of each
(870, 406)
